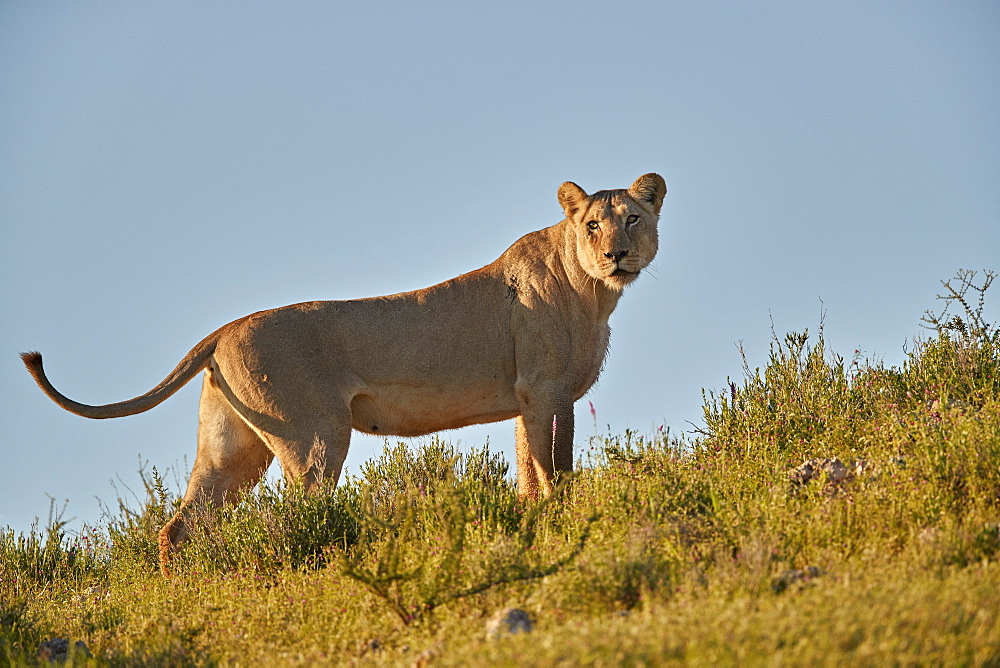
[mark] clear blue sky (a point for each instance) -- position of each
(166, 167)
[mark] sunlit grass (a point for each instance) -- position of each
(715, 549)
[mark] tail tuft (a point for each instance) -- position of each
(32, 359)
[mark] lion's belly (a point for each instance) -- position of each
(414, 411)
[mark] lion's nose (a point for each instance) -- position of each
(616, 256)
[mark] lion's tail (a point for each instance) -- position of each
(189, 367)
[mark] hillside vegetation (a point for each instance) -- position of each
(829, 511)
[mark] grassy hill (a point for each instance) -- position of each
(831, 511)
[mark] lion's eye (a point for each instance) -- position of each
(593, 225)
(632, 220)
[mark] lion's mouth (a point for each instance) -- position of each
(624, 273)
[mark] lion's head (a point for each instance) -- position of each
(615, 230)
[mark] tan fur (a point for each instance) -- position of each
(523, 337)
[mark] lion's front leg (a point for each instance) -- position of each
(544, 433)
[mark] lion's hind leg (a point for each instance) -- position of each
(231, 459)
(312, 452)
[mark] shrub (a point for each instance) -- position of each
(453, 531)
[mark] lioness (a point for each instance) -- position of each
(523, 337)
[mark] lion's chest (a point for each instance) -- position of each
(590, 354)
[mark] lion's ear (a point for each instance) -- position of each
(571, 197)
(649, 189)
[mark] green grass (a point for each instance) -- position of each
(660, 549)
